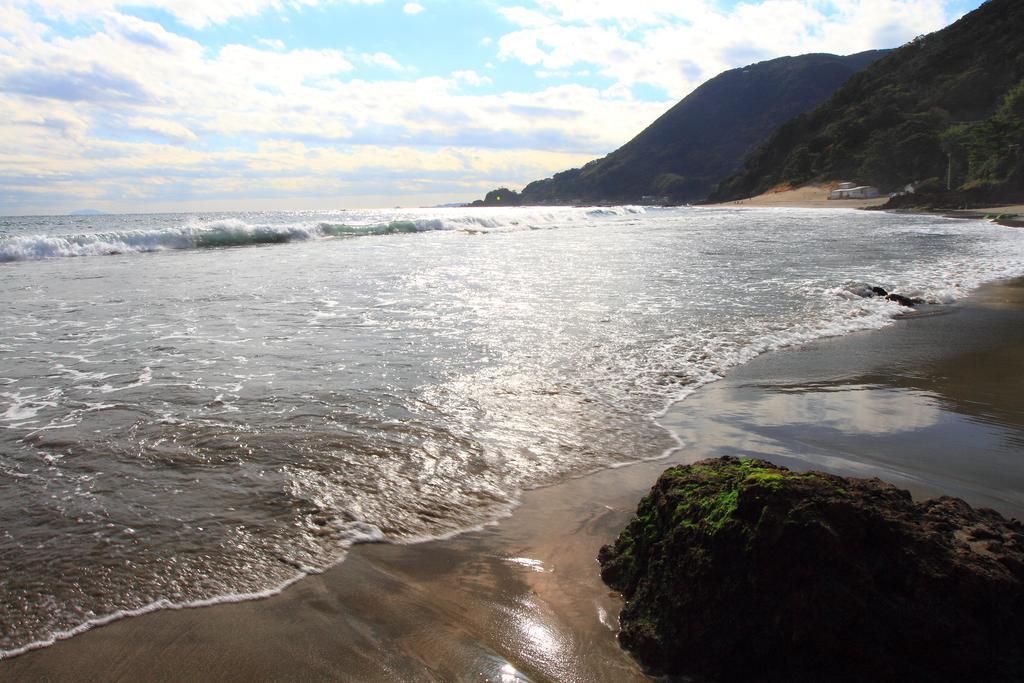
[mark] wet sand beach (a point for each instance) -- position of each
(931, 403)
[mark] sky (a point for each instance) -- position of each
(202, 105)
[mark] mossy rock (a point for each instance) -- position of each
(739, 570)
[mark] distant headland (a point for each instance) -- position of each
(943, 113)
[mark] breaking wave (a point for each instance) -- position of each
(195, 234)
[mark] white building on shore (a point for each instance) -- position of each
(853, 191)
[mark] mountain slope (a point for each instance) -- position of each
(950, 102)
(703, 138)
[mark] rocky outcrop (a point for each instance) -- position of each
(738, 570)
(500, 197)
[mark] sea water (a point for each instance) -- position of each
(204, 408)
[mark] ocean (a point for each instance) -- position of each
(206, 408)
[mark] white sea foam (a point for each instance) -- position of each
(23, 408)
(361, 534)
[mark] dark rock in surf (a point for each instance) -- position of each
(904, 300)
(739, 570)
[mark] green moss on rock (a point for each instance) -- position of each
(737, 569)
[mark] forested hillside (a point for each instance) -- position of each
(687, 151)
(946, 106)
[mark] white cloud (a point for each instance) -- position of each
(381, 59)
(272, 43)
(471, 77)
(281, 68)
(169, 129)
(413, 8)
(528, 18)
(131, 113)
(192, 13)
(676, 46)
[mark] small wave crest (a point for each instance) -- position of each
(386, 228)
(224, 233)
(616, 211)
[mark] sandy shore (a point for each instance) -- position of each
(931, 403)
(816, 197)
(806, 197)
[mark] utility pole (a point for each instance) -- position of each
(949, 172)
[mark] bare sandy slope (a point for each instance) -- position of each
(807, 197)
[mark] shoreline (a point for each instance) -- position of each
(522, 596)
(814, 197)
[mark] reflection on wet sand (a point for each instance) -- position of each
(942, 419)
(850, 408)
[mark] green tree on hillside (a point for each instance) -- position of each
(989, 152)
